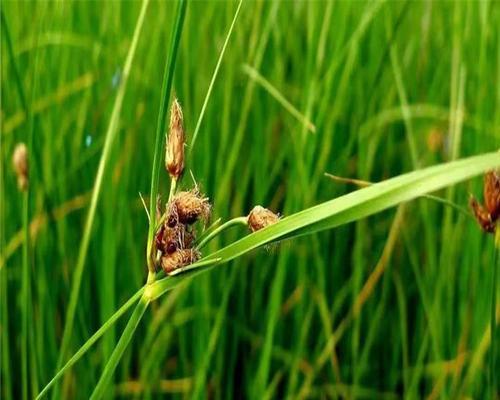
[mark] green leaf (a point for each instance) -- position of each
(348, 208)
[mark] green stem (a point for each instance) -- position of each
(117, 354)
(90, 342)
(141, 307)
(168, 78)
(25, 297)
(109, 139)
(493, 319)
(223, 227)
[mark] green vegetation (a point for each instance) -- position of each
(355, 299)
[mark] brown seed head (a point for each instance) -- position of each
(492, 194)
(482, 216)
(20, 163)
(177, 238)
(174, 157)
(261, 217)
(188, 207)
(178, 259)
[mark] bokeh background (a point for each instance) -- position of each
(393, 306)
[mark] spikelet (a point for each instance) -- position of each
(492, 194)
(174, 155)
(261, 217)
(488, 216)
(187, 208)
(179, 259)
(20, 164)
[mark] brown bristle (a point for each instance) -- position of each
(492, 194)
(174, 156)
(482, 216)
(261, 217)
(179, 259)
(189, 207)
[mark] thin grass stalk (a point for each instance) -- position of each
(25, 223)
(110, 136)
(145, 299)
(25, 297)
(168, 78)
(214, 76)
(125, 339)
(90, 342)
(220, 229)
(493, 322)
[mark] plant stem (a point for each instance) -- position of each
(168, 78)
(88, 344)
(141, 307)
(25, 296)
(493, 319)
(116, 356)
(224, 226)
(110, 135)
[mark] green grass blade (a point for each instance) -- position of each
(349, 208)
(162, 115)
(214, 76)
(110, 136)
(276, 94)
(91, 341)
(126, 337)
(141, 307)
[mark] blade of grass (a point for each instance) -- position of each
(258, 78)
(125, 338)
(90, 342)
(214, 76)
(348, 208)
(168, 78)
(494, 286)
(144, 301)
(110, 136)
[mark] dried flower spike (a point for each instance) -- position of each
(488, 216)
(187, 208)
(492, 194)
(169, 240)
(261, 217)
(179, 259)
(174, 156)
(20, 163)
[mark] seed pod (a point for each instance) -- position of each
(188, 207)
(174, 156)
(261, 217)
(492, 194)
(178, 259)
(482, 216)
(20, 163)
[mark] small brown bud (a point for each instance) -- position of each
(187, 208)
(261, 217)
(20, 163)
(482, 216)
(488, 216)
(174, 156)
(492, 194)
(178, 259)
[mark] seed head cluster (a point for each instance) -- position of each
(176, 237)
(488, 215)
(261, 217)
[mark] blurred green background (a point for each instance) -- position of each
(394, 306)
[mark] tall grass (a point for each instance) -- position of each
(389, 306)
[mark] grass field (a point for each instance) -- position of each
(395, 305)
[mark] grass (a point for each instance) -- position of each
(386, 306)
